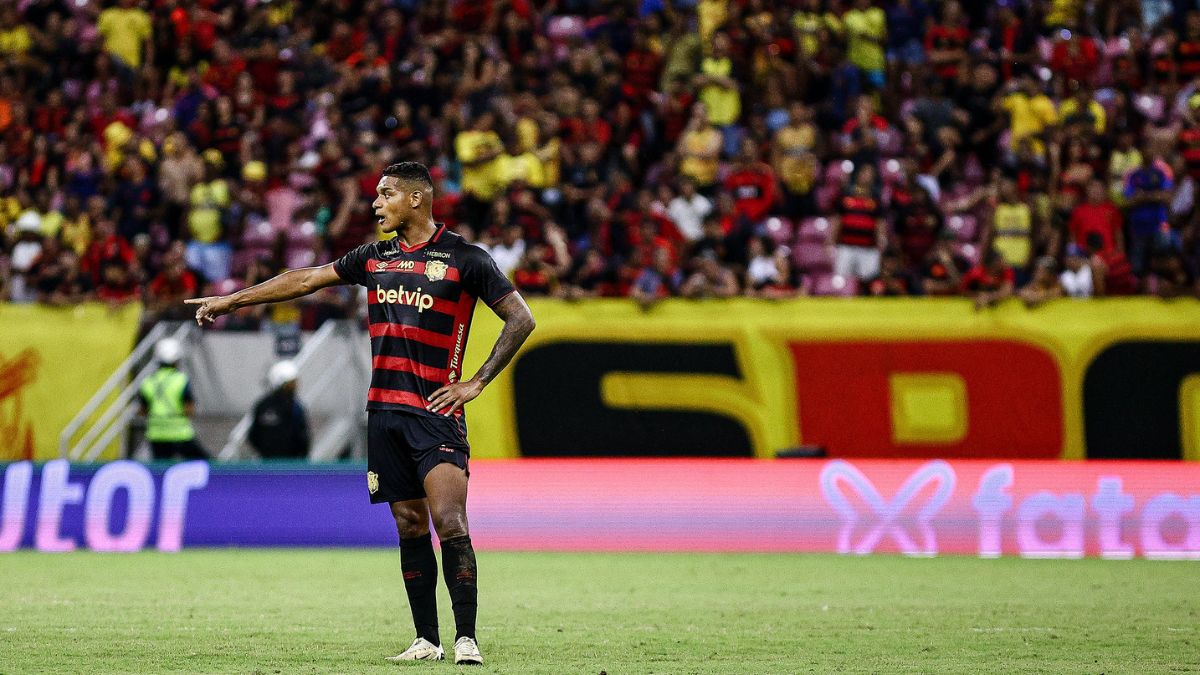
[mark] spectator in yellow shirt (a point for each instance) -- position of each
(126, 30)
(810, 22)
(522, 165)
(1063, 13)
(479, 151)
(792, 155)
(866, 34)
(711, 15)
(209, 199)
(718, 88)
(700, 150)
(1030, 114)
(15, 40)
(1012, 227)
(1082, 109)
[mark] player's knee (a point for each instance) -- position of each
(410, 523)
(450, 525)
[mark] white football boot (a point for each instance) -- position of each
(421, 650)
(466, 652)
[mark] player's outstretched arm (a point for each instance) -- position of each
(518, 324)
(287, 286)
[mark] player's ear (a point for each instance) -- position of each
(415, 198)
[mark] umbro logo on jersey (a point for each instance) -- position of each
(398, 266)
(422, 301)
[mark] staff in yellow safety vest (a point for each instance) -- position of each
(168, 406)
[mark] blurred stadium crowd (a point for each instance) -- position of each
(162, 149)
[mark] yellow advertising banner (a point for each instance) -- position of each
(851, 377)
(51, 362)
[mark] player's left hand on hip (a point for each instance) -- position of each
(453, 396)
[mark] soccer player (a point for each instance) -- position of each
(421, 288)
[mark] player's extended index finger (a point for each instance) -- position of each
(195, 301)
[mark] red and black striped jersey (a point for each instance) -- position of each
(419, 305)
(1189, 148)
(859, 213)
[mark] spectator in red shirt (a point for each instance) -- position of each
(918, 224)
(752, 184)
(1075, 56)
(1098, 215)
(642, 67)
(51, 118)
(1112, 273)
(859, 228)
(171, 286)
(588, 126)
(226, 65)
(990, 281)
(107, 247)
(535, 276)
(117, 286)
(946, 42)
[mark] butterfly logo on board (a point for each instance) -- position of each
(887, 517)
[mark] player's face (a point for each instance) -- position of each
(392, 204)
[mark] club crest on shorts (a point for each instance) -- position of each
(435, 270)
(372, 482)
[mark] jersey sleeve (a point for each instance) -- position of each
(352, 267)
(482, 278)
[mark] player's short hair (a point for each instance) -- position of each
(410, 172)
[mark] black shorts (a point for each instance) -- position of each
(403, 447)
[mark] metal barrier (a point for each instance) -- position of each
(126, 380)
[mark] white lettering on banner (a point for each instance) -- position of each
(1036, 515)
(17, 478)
(178, 481)
(57, 492)
(422, 301)
(990, 503)
(1067, 510)
(137, 481)
(1157, 511)
(1112, 505)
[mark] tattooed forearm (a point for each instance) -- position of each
(518, 324)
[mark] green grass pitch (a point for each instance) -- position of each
(302, 611)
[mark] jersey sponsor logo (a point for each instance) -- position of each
(398, 266)
(458, 347)
(437, 254)
(372, 482)
(435, 270)
(422, 301)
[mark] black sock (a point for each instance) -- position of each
(458, 565)
(419, 566)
